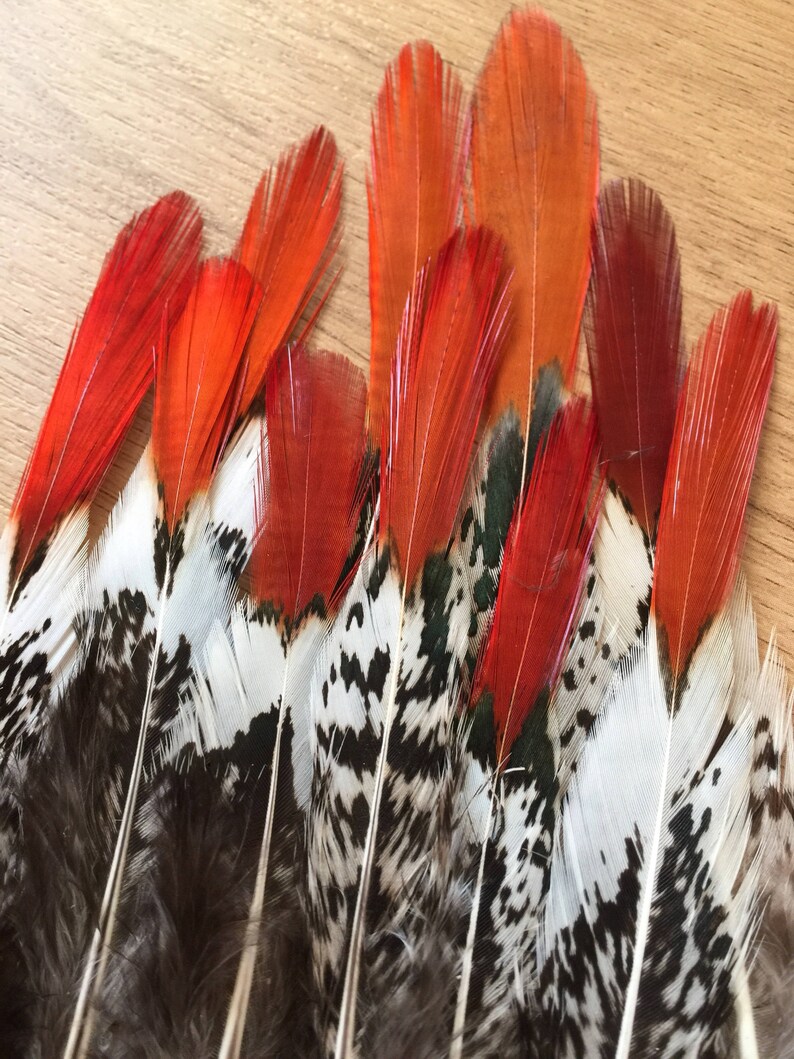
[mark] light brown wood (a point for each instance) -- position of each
(104, 105)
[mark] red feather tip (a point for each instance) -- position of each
(200, 372)
(108, 367)
(633, 329)
(449, 339)
(544, 566)
(311, 483)
(535, 179)
(288, 244)
(715, 442)
(414, 191)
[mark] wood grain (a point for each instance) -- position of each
(106, 105)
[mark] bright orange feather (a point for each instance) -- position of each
(315, 410)
(535, 179)
(544, 565)
(109, 365)
(200, 372)
(288, 245)
(414, 190)
(446, 351)
(715, 442)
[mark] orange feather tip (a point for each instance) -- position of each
(633, 331)
(288, 244)
(108, 367)
(543, 571)
(535, 181)
(414, 192)
(715, 443)
(449, 340)
(308, 503)
(199, 375)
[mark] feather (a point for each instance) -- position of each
(246, 716)
(672, 835)
(288, 244)
(512, 763)
(633, 331)
(199, 375)
(383, 691)
(534, 178)
(107, 370)
(634, 948)
(712, 458)
(771, 965)
(414, 192)
(315, 415)
(65, 808)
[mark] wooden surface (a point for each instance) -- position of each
(105, 105)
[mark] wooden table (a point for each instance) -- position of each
(105, 105)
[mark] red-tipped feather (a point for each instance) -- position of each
(535, 177)
(544, 565)
(109, 365)
(715, 442)
(446, 350)
(315, 412)
(633, 329)
(414, 190)
(200, 373)
(288, 244)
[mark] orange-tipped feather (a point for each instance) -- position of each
(715, 443)
(535, 178)
(288, 245)
(415, 187)
(109, 366)
(543, 570)
(200, 374)
(633, 329)
(315, 412)
(446, 351)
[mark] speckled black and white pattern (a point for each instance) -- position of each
(351, 706)
(658, 870)
(37, 640)
(613, 617)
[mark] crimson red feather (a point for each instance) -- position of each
(451, 332)
(633, 329)
(715, 443)
(544, 565)
(315, 413)
(109, 365)
(414, 190)
(288, 244)
(200, 374)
